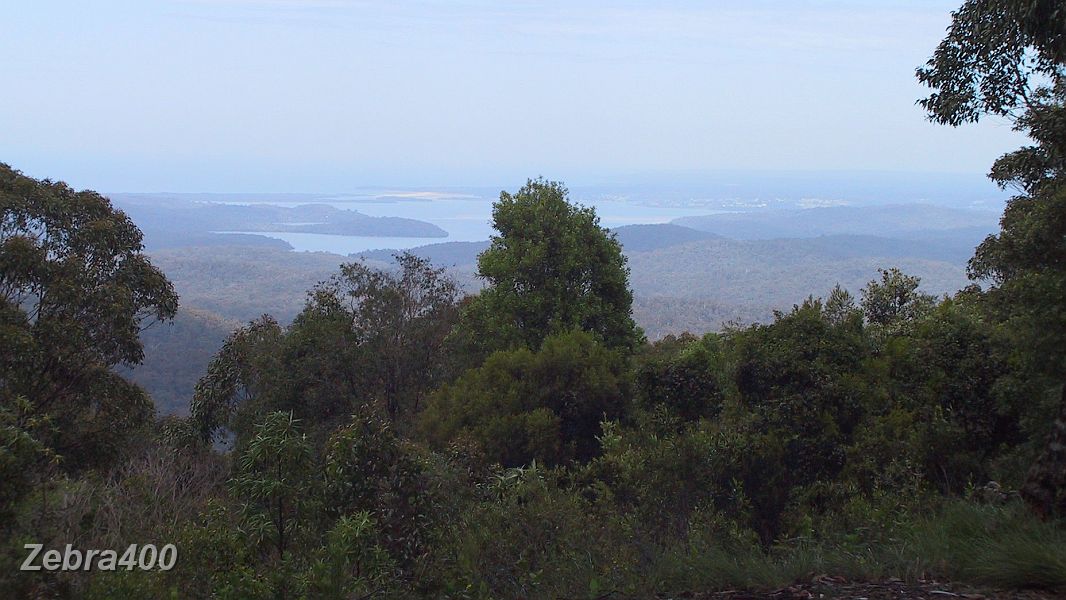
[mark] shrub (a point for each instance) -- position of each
(522, 406)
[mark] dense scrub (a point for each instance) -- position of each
(817, 443)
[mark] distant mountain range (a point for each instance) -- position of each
(171, 221)
(882, 221)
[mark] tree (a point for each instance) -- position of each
(955, 343)
(366, 340)
(1008, 58)
(75, 292)
(801, 378)
(522, 405)
(686, 380)
(1026, 263)
(368, 468)
(243, 373)
(400, 319)
(993, 58)
(895, 298)
(351, 564)
(935, 406)
(273, 476)
(550, 269)
(273, 473)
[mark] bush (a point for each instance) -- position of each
(522, 406)
(369, 469)
(685, 380)
(528, 537)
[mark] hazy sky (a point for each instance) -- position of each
(327, 95)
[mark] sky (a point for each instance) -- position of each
(329, 95)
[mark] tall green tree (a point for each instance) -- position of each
(550, 269)
(367, 339)
(75, 292)
(240, 381)
(1008, 58)
(399, 318)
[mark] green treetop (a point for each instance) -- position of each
(551, 269)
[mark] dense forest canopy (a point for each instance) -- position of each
(399, 438)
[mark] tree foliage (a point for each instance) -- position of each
(368, 468)
(994, 58)
(366, 340)
(551, 268)
(241, 372)
(75, 292)
(273, 473)
(522, 405)
(1008, 57)
(399, 319)
(684, 379)
(894, 299)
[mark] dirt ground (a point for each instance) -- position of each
(838, 588)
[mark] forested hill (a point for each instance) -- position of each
(176, 355)
(183, 220)
(688, 280)
(749, 276)
(898, 221)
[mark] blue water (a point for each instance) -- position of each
(466, 219)
(342, 244)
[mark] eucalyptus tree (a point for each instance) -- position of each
(368, 340)
(1008, 58)
(400, 319)
(76, 290)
